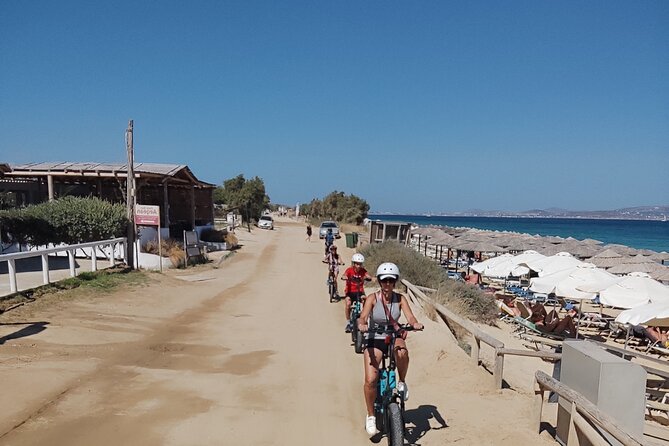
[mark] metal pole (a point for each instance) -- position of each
(130, 197)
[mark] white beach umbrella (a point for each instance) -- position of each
(514, 265)
(552, 264)
(631, 291)
(649, 314)
(565, 283)
(480, 267)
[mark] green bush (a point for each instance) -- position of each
(465, 299)
(68, 220)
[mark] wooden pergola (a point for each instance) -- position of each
(185, 201)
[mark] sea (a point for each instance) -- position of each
(640, 234)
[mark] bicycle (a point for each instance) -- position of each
(356, 335)
(356, 308)
(389, 403)
(332, 284)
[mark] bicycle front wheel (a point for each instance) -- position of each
(395, 425)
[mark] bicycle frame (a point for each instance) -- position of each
(386, 387)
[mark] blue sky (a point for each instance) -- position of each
(415, 106)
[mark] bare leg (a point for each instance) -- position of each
(372, 358)
(401, 358)
(347, 308)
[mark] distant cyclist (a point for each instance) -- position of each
(329, 240)
(333, 260)
(355, 277)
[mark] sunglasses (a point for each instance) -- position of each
(388, 280)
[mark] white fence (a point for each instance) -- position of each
(70, 250)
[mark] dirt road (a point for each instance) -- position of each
(249, 353)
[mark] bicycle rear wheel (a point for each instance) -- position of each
(395, 425)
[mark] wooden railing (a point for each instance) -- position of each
(70, 250)
(582, 414)
(417, 293)
(477, 334)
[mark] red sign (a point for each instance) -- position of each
(147, 215)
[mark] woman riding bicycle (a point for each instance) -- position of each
(333, 260)
(355, 277)
(384, 308)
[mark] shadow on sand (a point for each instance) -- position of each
(417, 423)
(31, 328)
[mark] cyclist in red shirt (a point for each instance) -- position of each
(355, 276)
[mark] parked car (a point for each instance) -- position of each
(329, 225)
(266, 222)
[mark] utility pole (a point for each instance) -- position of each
(130, 197)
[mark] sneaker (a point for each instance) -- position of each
(370, 425)
(403, 389)
(349, 327)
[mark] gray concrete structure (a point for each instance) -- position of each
(616, 386)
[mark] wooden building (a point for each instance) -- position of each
(185, 202)
(380, 231)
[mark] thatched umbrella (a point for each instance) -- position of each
(607, 258)
(651, 268)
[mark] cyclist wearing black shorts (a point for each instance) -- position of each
(355, 276)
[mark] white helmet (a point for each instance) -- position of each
(358, 258)
(386, 270)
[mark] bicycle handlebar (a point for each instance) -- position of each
(390, 330)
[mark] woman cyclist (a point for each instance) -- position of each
(384, 308)
(355, 277)
(333, 260)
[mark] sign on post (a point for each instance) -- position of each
(148, 215)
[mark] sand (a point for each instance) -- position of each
(250, 352)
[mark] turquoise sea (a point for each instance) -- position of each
(640, 234)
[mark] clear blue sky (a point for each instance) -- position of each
(415, 106)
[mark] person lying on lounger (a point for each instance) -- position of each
(655, 334)
(551, 323)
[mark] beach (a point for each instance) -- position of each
(241, 351)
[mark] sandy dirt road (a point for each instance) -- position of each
(249, 353)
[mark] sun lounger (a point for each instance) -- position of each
(527, 327)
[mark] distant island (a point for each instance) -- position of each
(657, 213)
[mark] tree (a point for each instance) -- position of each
(246, 195)
(338, 206)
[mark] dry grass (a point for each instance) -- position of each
(462, 298)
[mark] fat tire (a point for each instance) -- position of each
(358, 342)
(395, 425)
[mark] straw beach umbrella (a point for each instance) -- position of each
(606, 258)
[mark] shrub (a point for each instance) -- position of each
(171, 248)
(462, 298)
(68, 220)
(214, 235)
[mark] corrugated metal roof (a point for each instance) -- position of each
(149, 168)
(161, 169)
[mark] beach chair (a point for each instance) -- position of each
(525, 312)
(506, 313)
(530, 328)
